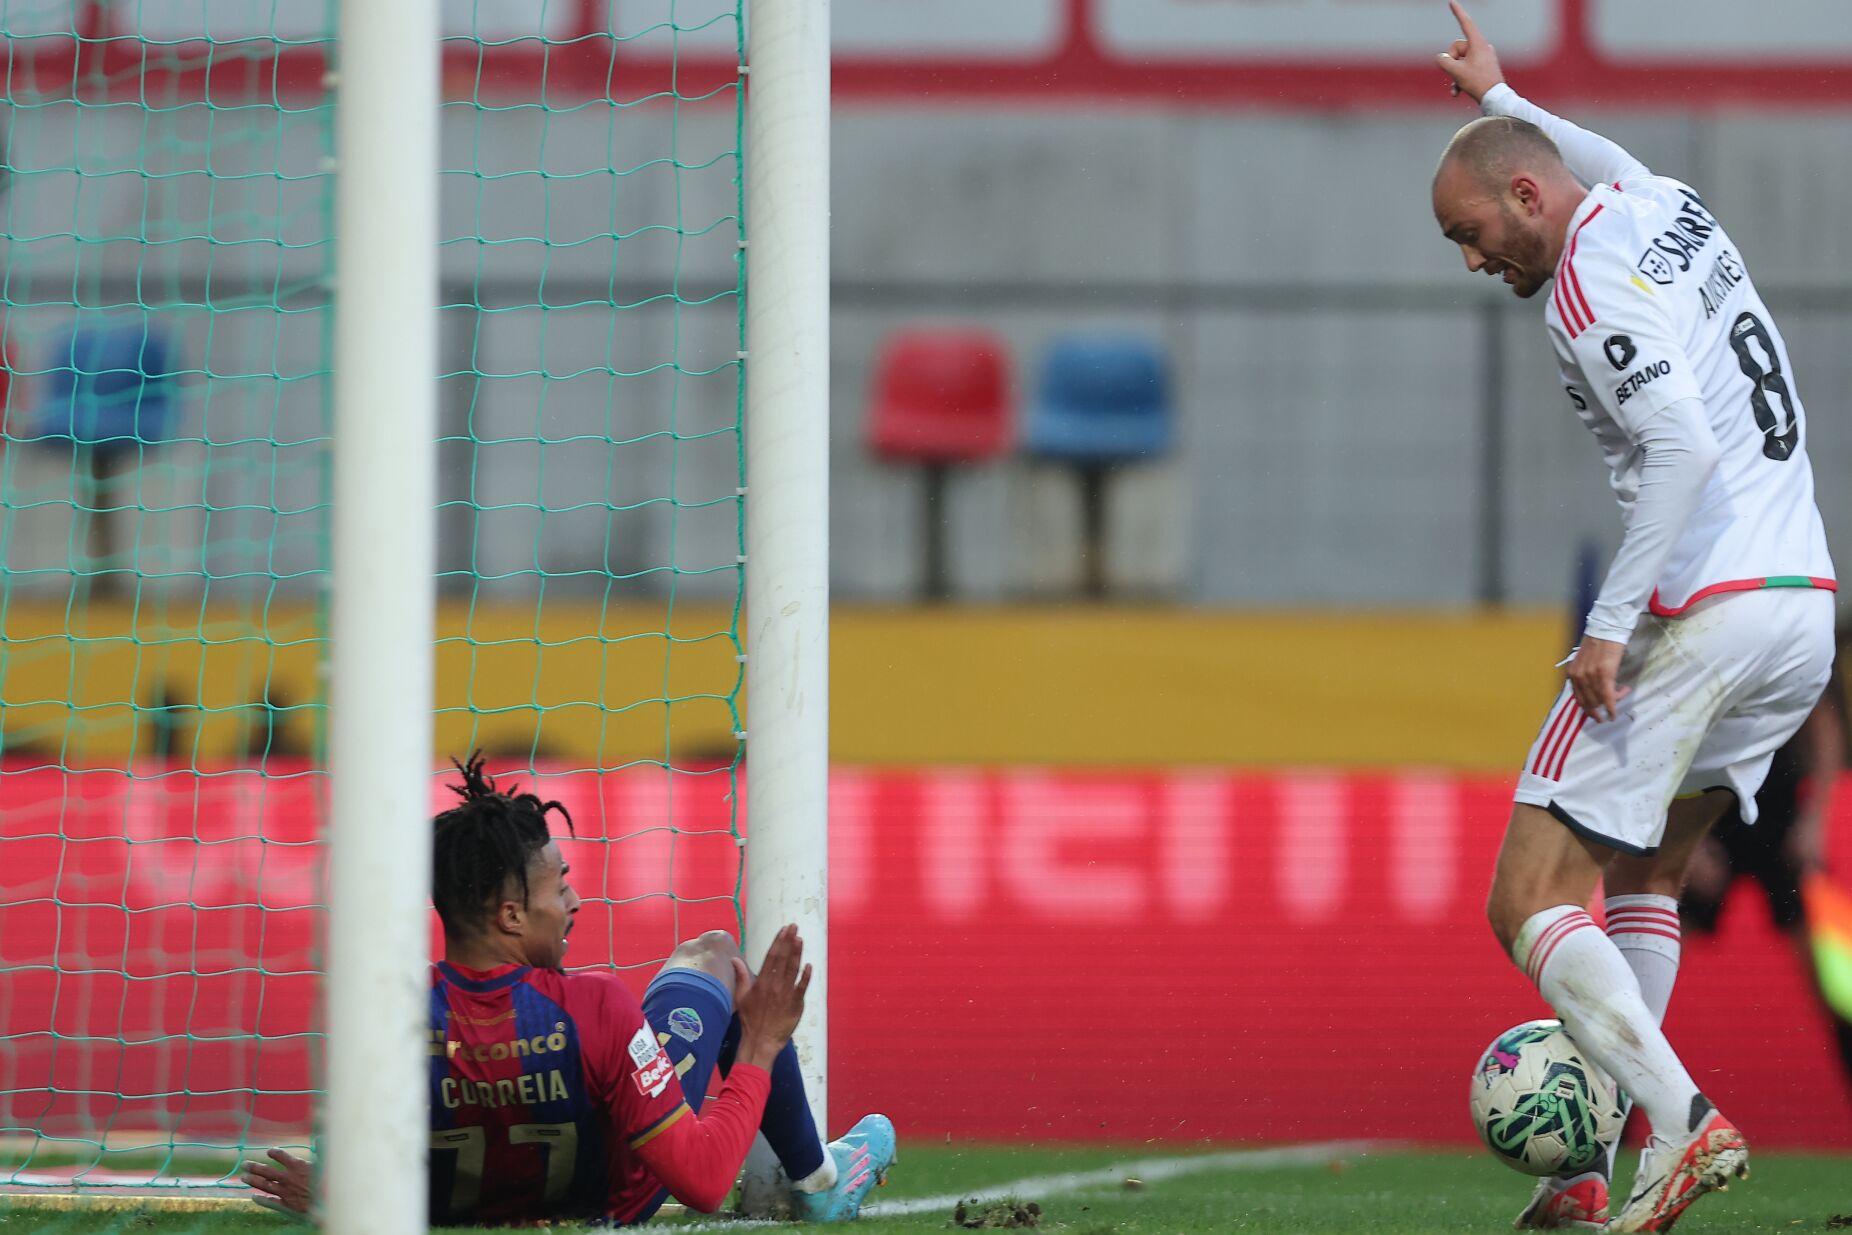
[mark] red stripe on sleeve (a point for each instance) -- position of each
(1576, 312)
(1562, 309)
(1575, 290)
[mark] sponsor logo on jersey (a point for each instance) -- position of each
(1634, 382)
(1672, 250)
(651, 1081)
(685, 1023)
(485, 1052)
(1726, 272)
(1621, 351)
(1655, 267)
(1575, 397)
(644, 1047)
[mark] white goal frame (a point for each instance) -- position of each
(787, 505)
(374, 1123)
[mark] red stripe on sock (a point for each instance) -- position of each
(1544, 961)
(1641, 911)
(1622, 918)
(1546, 943)
(1674, 936)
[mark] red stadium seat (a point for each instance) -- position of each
(941, 396)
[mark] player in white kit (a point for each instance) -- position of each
(1711, 637)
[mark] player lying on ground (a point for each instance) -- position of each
(1711, 637)
(555, 1095)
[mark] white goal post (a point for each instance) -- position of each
(375, 1128)
(787, 504)
(374, 1125)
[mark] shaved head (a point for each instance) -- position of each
(1503, 195)
(1493, 149)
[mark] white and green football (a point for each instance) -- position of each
(1540, 1106)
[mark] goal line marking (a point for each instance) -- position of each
(1031, 1188)
(1146, 1169)
(1039, 1187)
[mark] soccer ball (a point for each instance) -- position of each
(1540, 1106)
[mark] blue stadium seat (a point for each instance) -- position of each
(1101, 399)
(109, 386)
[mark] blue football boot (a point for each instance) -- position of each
(863, 1157)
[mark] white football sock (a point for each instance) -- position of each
(1585, 978)
(1645, 929)
(822, 1179)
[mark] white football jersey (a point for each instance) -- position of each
(1652, 304)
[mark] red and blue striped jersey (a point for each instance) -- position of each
(543, 1087)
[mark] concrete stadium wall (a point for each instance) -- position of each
(1361, 423)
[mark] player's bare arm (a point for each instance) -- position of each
(1471, 66)
(1470, 60)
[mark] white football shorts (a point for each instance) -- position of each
(1714, 693)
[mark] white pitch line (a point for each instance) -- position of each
(1146, 1169)
(103, 1181)
(1034, 1188)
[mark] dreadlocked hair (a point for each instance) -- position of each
(481, 843)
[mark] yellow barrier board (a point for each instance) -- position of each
(1072, 685)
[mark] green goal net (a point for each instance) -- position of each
(166, 199)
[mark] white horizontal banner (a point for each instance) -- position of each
(955, 29)
(25, 21)
(1314, 33)
(1629, 30)
(300, 20)
(977, 30)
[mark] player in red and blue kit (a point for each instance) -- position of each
(556, 1095)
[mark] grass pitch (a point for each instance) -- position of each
(1179, 1192)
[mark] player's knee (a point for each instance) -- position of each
(1660, 875)
(1658, 883)
(712, 952)
(709, 947)
(716, 943)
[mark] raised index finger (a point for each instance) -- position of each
(1473, 37)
